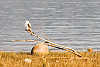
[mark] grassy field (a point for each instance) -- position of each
(53, 59)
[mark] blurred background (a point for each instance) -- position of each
(71, 23)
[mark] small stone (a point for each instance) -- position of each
(89, 50)
(28, 60)
(57, 60)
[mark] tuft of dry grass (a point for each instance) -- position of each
(53, 59)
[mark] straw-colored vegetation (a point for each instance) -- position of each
(53, 59)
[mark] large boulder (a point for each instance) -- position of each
(40, 49)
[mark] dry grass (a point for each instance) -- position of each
(53, 59)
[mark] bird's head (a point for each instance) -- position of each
(27, 25)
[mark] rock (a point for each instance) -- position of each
(28, 60)
(40, 49)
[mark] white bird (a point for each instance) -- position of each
(28, 25)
